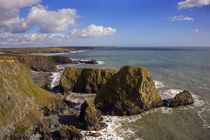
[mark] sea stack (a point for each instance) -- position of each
(128, 92)
(90, 116)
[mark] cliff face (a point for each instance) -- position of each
(38, 63)
(84, 79)
(130, 91)
(21, 101)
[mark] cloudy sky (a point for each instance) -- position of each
(27, 23)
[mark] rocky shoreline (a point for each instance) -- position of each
(129, 91)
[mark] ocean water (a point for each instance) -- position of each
(173, 70)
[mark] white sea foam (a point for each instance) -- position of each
(61, 67)
(115, 129)
(79, 51)
(52, 54)
(54, 79)
(100, 62)
(170, 93)
(203, 117)
(159, 84)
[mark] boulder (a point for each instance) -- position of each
(90, 116)
(128, 92)
(182, 99)
(84, 80)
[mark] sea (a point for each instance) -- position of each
(173, 69)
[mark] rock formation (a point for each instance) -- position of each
(128, 92)
(84, 80)
(182, 99)
(90, 116)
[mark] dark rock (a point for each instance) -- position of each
(92, 61)
(62, 132)
(128, 92)
(67, 132)
(182, 99)
(57, 89)
(84, 80)
(90, 116)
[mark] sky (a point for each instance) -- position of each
(40, 23)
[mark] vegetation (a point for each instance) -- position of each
(21, 100)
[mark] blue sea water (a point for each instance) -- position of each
(173, 69)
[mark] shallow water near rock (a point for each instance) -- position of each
(173, 70)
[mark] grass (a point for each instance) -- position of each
(24, 96)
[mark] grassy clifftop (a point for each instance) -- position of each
(21, 101)
(44, 50)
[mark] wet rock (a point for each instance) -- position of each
(84, 80)
(182, 99)
(128, 92)
(90, 116)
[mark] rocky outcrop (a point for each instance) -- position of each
(182, 99)
(128, 92)
(84, 80)
(92, 61)
(90, 116)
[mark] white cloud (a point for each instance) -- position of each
(51, 21)
(93, 31)
(196, 30)
(9, 10)
(17, 4)
(192, 3)
(9, 39)
(181, 18)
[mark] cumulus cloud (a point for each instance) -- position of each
(181, 18)
(51, 21)
(196, 30)
(93, 31)
(9, 11)
(9, 39)
(192, 3)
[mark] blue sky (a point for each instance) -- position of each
(105, 22)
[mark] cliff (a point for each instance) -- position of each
(21, 101)
(84, 79)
